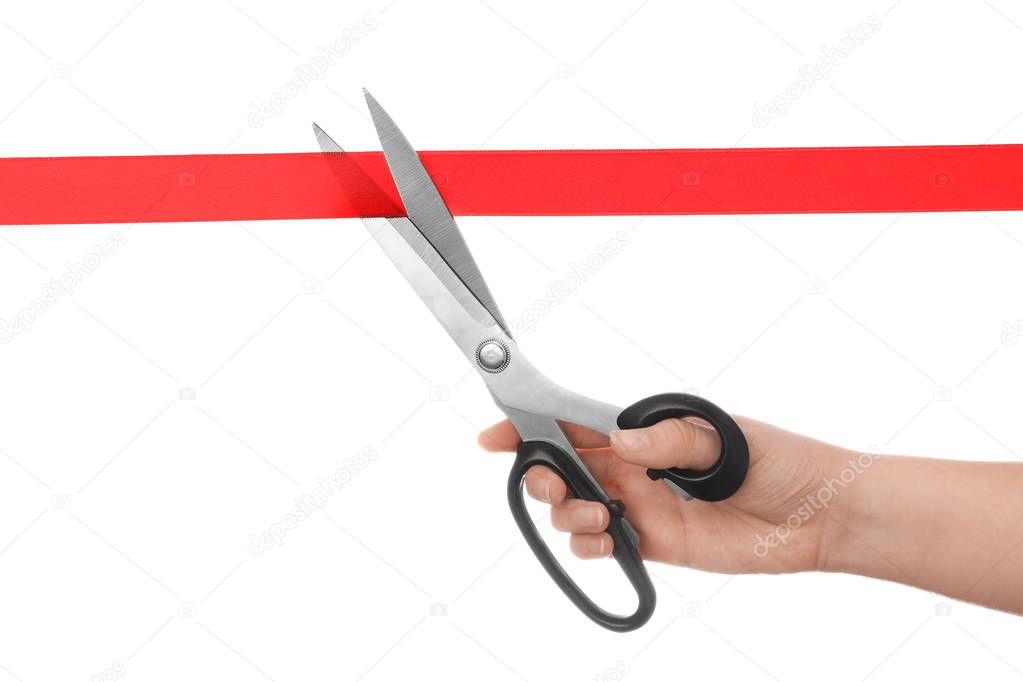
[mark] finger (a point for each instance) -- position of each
(579, 516)
(545, 485)
(502, 437)
(668, 443)
(591, 545)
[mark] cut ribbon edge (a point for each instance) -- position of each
(237, 187)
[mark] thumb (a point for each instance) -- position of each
(668, 443)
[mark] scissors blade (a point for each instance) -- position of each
(427, 210)
(520, 390)
(326, 142)
(414, 264)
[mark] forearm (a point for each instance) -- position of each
(947, 526)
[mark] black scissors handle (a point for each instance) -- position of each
(726, 475)
(626, 541)
(712, 485)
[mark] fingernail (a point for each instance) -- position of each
(546, 492)
(631, 439)
(590, 518)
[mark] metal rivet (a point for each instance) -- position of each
(492, 355)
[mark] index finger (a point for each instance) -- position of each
(502, 437)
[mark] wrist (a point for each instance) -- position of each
(850, 488)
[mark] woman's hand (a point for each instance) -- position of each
(942, 525)
(778, 521)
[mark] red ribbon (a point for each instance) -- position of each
(112, 189)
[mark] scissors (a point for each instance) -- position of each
(428, 249)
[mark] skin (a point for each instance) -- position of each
(950, 527)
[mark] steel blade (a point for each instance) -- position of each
(518, 390)
(443, 274)
(427, 210)
(326, 142)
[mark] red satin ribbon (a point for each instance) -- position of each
(593, 182)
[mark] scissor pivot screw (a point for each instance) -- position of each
(492, 355)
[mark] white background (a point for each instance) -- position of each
(127, 511)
